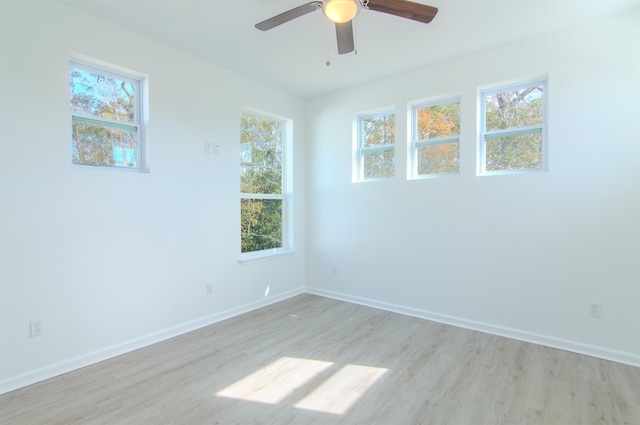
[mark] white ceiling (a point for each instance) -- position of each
(292, 56)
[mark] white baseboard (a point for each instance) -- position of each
(548, 341)
(128, 346)
(134, 344)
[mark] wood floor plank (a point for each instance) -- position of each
(313, 360)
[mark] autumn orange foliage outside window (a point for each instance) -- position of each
(436, 138)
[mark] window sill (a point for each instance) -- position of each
(254, 257)
(512, 172)
(434, 176)
(374, 179)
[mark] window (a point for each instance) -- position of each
(436, 138)
(375, 146)
(263, 200)
(106, 113)
(512, 133)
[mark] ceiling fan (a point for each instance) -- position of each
(343, 11)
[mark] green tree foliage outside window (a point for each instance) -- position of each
(513, 120)
(261, 183)
(105, 118)
(437, 140)
(377, 139)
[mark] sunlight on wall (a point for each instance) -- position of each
(342, 389)
(275, 382)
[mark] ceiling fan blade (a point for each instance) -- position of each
(344, 34)
(405, 9)
(289, 15)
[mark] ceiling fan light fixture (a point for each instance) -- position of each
(340, 11)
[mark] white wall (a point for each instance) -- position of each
(113, 260)
(517, 255)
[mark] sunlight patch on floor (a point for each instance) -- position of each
(338, 393)
(274, 382)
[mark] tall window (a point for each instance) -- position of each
(263, 198)
(512, 133)
(436, 138)
(376, 146)
(106, 117)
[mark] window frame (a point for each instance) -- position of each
(139, 83)
(415, 144)
(360, 150)
(483, 134)
(286, 197)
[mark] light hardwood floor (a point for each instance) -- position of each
(312, 360)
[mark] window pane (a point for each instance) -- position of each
(378, 164)
(519, 152)
(100, 96)
(100, 145)
(443, 158)
(261, 221)
(438, 121)
(378, 130)
(260, 155)
(518, 108)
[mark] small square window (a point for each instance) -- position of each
(106, 123)
(512, 135)
(376, 146)
(435, 138)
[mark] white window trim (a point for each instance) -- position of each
(415, 143)
(483, 134)
(360, 151)
(286, 196)
(140, 83)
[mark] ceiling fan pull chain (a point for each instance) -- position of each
(355, 35)
(328, 38)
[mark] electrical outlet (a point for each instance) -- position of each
(334, 270)
(595, 309)
(36, 328)
(208, 288)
